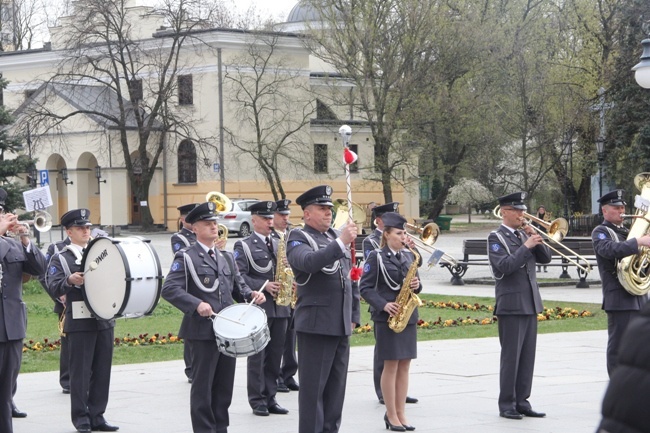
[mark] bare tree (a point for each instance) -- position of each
(273, 100)
(103, 49)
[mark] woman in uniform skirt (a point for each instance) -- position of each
(382, 279)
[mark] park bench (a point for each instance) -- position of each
(475, 254)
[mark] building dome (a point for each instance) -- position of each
(302, 12)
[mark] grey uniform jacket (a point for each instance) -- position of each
(182, 239)
(218, 284)
(57, 286)
(608, 252)
(15, 260)
(252, 247)
(517, 291)
(371, 242)
(327, 303)
(375, 288)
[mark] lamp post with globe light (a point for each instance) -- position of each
(642, 69)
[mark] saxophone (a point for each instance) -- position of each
(283, 275)
(633, 270)
(406, 299)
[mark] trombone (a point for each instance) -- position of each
(556, 230)
(427, 236)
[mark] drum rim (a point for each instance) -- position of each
(160, 277)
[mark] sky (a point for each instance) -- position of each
(276, 8)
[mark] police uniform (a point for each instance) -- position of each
(371, 243)
(326, 308)
(90, 340)
(64, 364)
(289, 368)
(610, 245)
(14, 260)
(183, 239)
(518, 302)
(195, 277)
(383, 275)
(256, 260)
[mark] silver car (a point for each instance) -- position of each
(238, 219)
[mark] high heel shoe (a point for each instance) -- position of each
(408, 427)
(392, 427)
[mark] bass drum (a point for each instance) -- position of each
(122, 278)
(241, 330)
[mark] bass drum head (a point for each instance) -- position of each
(105, 286)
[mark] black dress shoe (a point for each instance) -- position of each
(261, 411)
(278, 410)
(84, 428)
(65, 390)
(106, 427)
(511, 414)
(531, 413)
(292, 384)
(283, 388)
(17, 413)
(408, 427)
(411, 399)
(391, 427)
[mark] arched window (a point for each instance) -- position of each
(186, 162)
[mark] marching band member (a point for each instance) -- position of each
(370, 243)
(256, 257)
(383, 275)
(513, 256)
(326, 312)
(611, 244)
(16, 257)
(183, 239)
(64, 357)
(90, 340)
(200, 283)
(286, 380)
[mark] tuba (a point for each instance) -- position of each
(407, 300)
(221, 201)
(283, 275)
(633, 271)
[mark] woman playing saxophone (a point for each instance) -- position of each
(388, 271)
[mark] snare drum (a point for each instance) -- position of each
(241, 330)
(122, 278)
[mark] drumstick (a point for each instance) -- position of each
(251, 302)
(92, 266)
(226, 318)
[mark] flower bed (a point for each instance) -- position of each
(141, 340)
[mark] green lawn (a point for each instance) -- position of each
(42, 324)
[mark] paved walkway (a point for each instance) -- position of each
(455, 380)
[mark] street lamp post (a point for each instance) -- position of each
(642, 69)
(600, 147)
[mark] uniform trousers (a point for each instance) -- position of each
(91, 358)
(289, 361)
(518, 338)
(187, 357)
(323, 371)
(213, 378)
(263, 368)
(10, 355)
(617, 322)
(64, 362)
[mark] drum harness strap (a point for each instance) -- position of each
(329, 270)
(192, 271)
(255, 266)
(67, 272)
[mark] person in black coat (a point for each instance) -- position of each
(383, 276)
(201, 282)
(611, 244)
(90, 340)
(16, 257)
(625, 405)
(513, 254)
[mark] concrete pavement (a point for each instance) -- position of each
(455, 380)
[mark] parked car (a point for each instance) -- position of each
(238, 218)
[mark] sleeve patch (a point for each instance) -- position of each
(602, 236)
(495, 247)
(177, 246)
(52, 270)
(295, 243)
(175, 266)
(366, 267)
(235, 254)
(47, 257)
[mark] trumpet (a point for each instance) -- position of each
(556, 230)
(42, 222)
(427, 236)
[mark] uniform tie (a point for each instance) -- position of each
(398, 255)
(269, 245)
(211, 254)
(518, 234)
